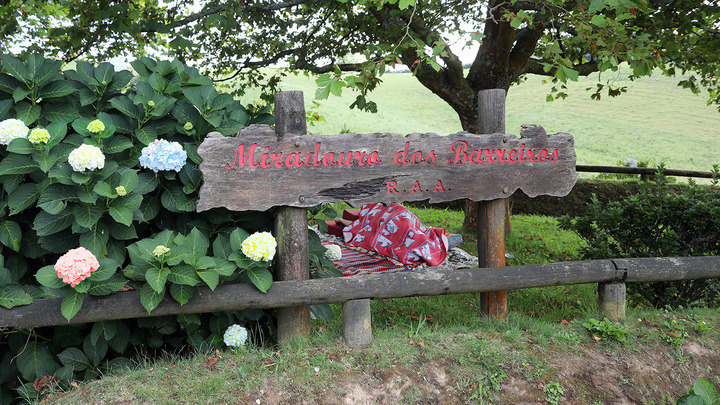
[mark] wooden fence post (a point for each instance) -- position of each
(291, 225)
(357, 323)
(611, 300)
(491, 214)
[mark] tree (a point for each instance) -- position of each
(231, 39)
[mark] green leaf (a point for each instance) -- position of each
(104, 189)
(157, 82)
(236, 239)
(5, 106)
(105, 287)
(74, 358)
(21, 146)
(17, 164)
(175, 199)
(27, 113)
(49, 278)
(183, 274)
(47, 224)
(205, 262)
(707, 391)
(116, 144)
(64, 374)
(322, 311)
(146, 134)
(12, 295)
(599, 20)
(23, 197)
(210, 278)
(35, 361)
(87, 215)
(121, 339)
(60, 113)
(157, 278)
(95, 239)
(150, 298)
(58, 88)
(71, 304)
(107, 268)
(106, 329)
(10, 235)
(182, 293)
(121, 209)
(146, 183)
(20, 93)
(122, 232)
(262, 278)
(62, 173)
(45, 160)
(104, 73)
(53, 199)
(125, 106)
(128, 179)
(196, 245)
(595, 6)
(224, 267)
(191, 178)
(95, 351)
(15, 67)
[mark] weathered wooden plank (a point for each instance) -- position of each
(46, 312)
(668, 268)
(256, 171)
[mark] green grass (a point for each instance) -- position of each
(654, 121)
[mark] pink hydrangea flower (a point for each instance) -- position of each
(76, 265)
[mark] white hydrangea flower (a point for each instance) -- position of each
(11, 129)
(235, 336)
(259, 246)
(333, 252)
(86, 157)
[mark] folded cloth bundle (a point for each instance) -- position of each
(397, 233)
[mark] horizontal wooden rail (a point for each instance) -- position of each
(123, 305)
(643, 170)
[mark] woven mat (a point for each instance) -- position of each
(357, 261)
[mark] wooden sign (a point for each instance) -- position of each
(256, 171)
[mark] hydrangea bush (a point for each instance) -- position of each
(99, 182)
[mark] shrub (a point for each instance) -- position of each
(72, 177)
(656, 222)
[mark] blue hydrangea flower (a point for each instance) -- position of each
(163, 155)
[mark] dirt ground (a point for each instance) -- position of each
(587, 374)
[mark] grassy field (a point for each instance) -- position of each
(655, 121)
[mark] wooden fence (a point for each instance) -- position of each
(610, 274)
(645, 171)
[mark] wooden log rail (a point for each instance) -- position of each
(648, 171)
(123, 305)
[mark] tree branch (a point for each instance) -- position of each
(246, 10)
(535, 66)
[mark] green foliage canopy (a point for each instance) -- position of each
(231, 39)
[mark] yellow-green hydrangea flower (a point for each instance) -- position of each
(96, 126)
(259, 246)
(120, 190)
(151, 103)
(160, 250)
(39, 135)
(188, 126)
